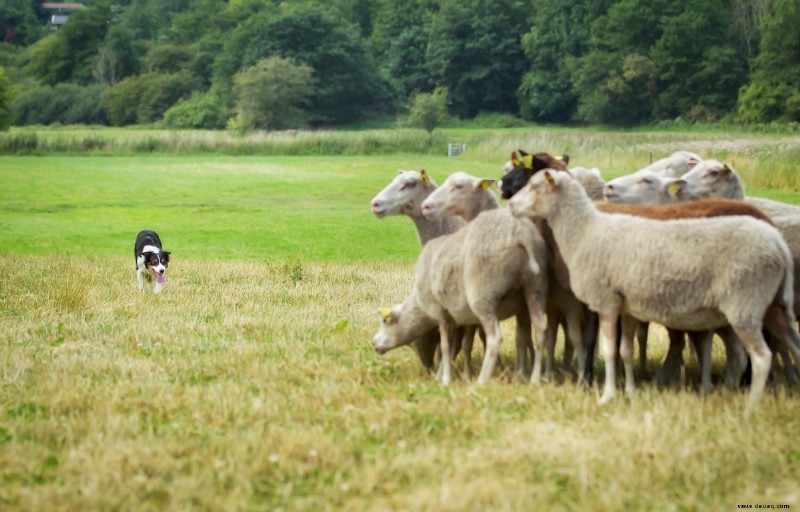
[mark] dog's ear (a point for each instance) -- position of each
(147, 255)
(165, 257)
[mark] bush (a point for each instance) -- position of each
(65, 103)
(429, 110)
(199, 111)
(145, 98)
(762, 102)
(273, 94)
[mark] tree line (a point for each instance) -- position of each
(286, 64)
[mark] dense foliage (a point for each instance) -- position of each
(622, 62)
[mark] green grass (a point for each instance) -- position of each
(250, 383)
(314, 208)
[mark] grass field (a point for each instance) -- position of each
(250, 383)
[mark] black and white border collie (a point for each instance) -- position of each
(150, 257)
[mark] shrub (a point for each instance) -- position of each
(6, 94)
(145, 98)
(429, 110)
(65, 103)
(273, 94)
(199, 111)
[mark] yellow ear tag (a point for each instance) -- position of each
(559, 157)
(550, 179)
(386, 313)
(514, 159)
(425, 178)
(485, 184)
(673, 189)
(527, 161)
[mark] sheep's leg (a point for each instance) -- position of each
(445, 331)
(608, 348)
(641, 335)
(491, 327)
(777, 322)
(626, 352)
(569, 352)
(702, 343)
(673, 361)
(554, 319)
(536, 310)
(735, 357)
(590, 327)
(760, 360)
(524, 343)
(467, 342)
(574, 337)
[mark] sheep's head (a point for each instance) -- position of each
(538, 197)
(458, 192)
(708, 179)
(524, 166)
(638, 188)
(404, 195)
(401, 325)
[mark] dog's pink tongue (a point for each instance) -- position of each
(160, 278)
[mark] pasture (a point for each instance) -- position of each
(250, 383)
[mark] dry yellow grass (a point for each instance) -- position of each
(253, 386)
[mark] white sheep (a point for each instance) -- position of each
(460, 195)
(642, 187)
(404, 196)
(709, 179)
(695, 274)
(478, 275)
(591, 180)
(649, 185)
(467, 196)
(675, 165)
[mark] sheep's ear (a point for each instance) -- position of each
(425, 178)
(551, 180)
(726, 169)
(485, 184)
(522, 153)
(675, 188)
(385, 314)
(692, 162)
(527, 161)
(514, 158)
(563, 158)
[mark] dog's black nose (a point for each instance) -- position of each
(161, 271)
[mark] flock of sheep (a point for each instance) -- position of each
(676, 243)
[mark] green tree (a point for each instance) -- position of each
(474, 50)
(18, 22)
(773, 92)
(429, 110)
(698, 65)
(117, 58)
(168, 58)
(7, 93)
(347, 86)
(68, 54)
(560, 31)
(273, 94)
